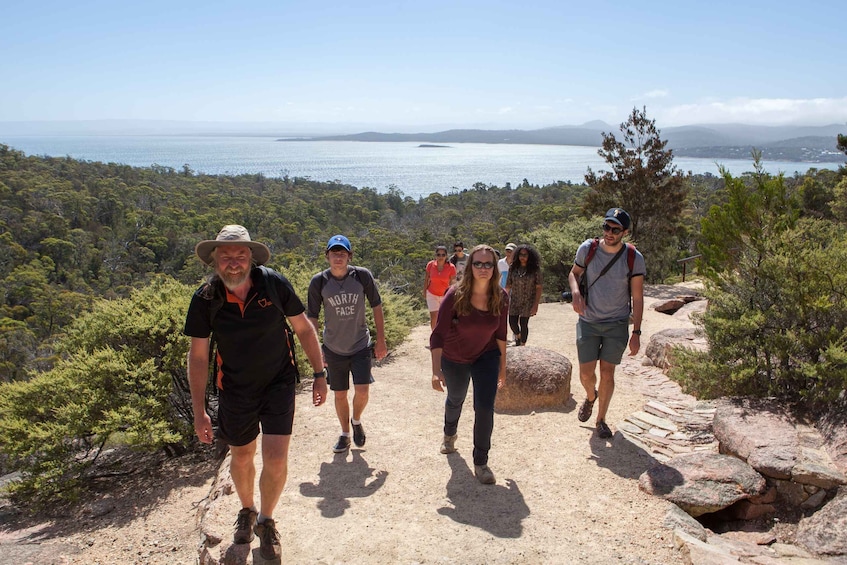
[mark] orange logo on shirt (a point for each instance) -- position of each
(264, 302)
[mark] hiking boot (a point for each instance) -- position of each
(244, 525)
(586, 408)
(268, 539)
(484, 475)
(449, 444)
(603, 430)
(359, 436)
(342, 445)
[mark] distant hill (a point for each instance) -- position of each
(736, 141)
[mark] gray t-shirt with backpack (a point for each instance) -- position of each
(343, 300)
(609, 298)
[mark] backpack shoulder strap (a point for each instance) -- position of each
(592, 250)
(271, 288)
(630, 257)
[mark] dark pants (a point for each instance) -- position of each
(520, 326)
(484, 372)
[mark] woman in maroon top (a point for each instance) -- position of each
(469, 342)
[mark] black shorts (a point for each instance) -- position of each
(239, 418)
(339, 367)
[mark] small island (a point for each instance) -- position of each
(432, 145)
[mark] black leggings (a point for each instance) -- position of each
(520, 326)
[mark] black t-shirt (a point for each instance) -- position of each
(251, 344)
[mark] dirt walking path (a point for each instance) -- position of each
(563, 495)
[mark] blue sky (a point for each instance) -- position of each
(426, 65)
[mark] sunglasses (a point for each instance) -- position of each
(615, 231)
(485, 265)
(441, 255)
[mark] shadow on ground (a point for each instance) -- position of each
(340, 480)
(498, 509)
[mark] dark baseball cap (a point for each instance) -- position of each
(619, 216)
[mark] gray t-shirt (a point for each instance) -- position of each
(345, 324)
(608, 297)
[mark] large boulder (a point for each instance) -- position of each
(825, 531)
(535, 378)
(702, 482)
(660, 348)
(769, 439)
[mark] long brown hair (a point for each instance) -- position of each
(464, 290)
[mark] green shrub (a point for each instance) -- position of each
(777, 322)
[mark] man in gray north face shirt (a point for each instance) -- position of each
(342, 290)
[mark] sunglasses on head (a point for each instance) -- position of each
(615, 231)
(483, 265)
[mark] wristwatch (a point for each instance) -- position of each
(636, 332)
(319, 374)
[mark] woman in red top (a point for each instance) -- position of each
(440, 274)
(469, 342)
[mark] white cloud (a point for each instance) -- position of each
(763, 111)
(658, 93)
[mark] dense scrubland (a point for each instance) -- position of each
(97, 268)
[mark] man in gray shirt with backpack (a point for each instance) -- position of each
(607, 282)
(342, 290)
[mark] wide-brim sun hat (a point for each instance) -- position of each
(232, 234)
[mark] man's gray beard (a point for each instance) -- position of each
(233, 281)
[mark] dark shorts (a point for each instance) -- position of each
(339, 367)
(239, 418)
(606, 342)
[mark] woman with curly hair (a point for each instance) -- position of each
(524, 287)
(469, 343)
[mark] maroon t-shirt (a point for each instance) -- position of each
(463, 339)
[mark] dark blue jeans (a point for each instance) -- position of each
(484, 372)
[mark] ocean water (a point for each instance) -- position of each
(416, 171)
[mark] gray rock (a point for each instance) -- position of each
(660, 348)
(686, 311)
(535, 378)
(764, 435)
(825, 531)
(702, 482)
(816, 468)
(677, 518)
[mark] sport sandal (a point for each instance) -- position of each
(586, 408)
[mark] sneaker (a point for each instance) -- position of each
(359, 436)
(342, 445)
(484, 475)
(603, 430)
(244, 525)
(449, 444)
(586, 408)
(268, 539)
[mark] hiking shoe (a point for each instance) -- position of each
(342, 445)
(603, 430)
(586, 408)
(449, 444)
(359, 436)
(268, 539)
(244, 525)
(484, 475)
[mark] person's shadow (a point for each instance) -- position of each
(621, 457)
(340, 481)
(497, 509)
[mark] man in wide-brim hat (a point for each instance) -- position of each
(246, 305)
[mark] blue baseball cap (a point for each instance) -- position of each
(339, 241)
